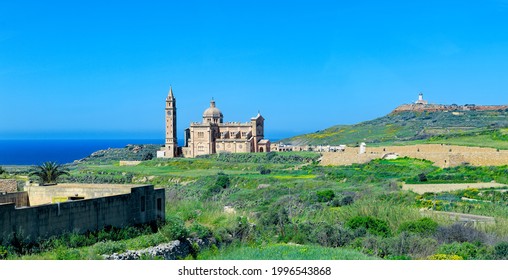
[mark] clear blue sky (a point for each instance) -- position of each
(102, 69)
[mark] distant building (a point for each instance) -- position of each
(212, 135)
(422, 105)
(420, 100)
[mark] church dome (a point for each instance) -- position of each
(212, 112)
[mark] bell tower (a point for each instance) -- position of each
(171, 141)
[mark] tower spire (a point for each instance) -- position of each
(170, 93)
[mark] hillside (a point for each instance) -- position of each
(129, 152)
(462, 127)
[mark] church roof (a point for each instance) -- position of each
(212, 111)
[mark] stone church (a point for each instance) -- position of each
(213, 135)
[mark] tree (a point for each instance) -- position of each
(148, 156)
(2, 171)
(49, 172)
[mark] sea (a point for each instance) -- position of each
(35, 152)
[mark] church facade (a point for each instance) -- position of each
(213, 135)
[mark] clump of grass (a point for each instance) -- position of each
(282, 252)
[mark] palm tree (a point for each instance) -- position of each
(49, 172)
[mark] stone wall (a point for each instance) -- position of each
(8, 185)
(142, 205)
(442, 155)
(49, 194)
(20, 199)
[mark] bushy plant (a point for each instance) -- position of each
(410, 244)
(459, 233)
(199, 231)
(78, 240)
(330, 235)
(372, 225)
(438, 257)
(64, 253)
(263, 170)
(347, 200)
(501, 251)
(325, 195)
(342, 201)
(466, 250)
(3, 252)
(405, 244)
(221, 182)
(422, 177)
(109, 247)
(244, 230)
(425, 226)
(174, 229)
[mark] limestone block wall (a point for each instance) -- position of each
(143, 205)
(8, 185)
(47, 194)
(441, 155)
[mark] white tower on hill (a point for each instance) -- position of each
(420, 99)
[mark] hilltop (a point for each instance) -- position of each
(473, 125)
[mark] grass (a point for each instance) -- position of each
(288, 203)
(473, 140)
(282, 252)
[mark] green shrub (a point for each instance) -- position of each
(465, 250)
(199, 231)
(501, 251)
(437, 257)
(174, 229)
(79, 240)
(347, 200)
(459, 233)
(424, 226)
(330, 235)
(409, 244)
(422, 177)
(342, 201)
(221, 182)
(372, 225)
(325, 195)
(109, 247)
(64, 253)
(3, 251)
(244, 231)
(263, 170)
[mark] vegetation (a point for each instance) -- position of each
(470, 128)
(130, 152)
(282, 252)
(48, 173)
(299, 209)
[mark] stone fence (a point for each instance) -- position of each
(8, 185)
(442, 155)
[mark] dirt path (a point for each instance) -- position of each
(461, 217)
(435, 188)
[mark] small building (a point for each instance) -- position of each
(420, 100)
